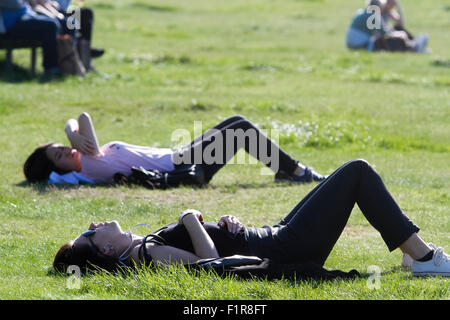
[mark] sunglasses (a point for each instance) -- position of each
(88, 234)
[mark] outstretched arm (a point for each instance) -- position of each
(81, 134)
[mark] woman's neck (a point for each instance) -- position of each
(135, 247)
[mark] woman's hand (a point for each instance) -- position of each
(81, 135)
(83, 144)
(194, 212)
(231, 223)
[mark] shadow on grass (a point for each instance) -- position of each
(152, 7)
(43, 187)
(398, 270)
(19, 74)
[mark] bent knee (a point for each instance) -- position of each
(360, 163)
(51, 26)
(237, 117)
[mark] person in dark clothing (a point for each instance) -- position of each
(19, 21)
(307, 234)
(78, 24)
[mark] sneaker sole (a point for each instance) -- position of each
(291, 181)
(425, 273)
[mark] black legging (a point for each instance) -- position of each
(310, 231)
(86, 23)
(235, 123)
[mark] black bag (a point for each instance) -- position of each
(247, 267)
(154, 179)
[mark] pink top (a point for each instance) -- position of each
(119, 157)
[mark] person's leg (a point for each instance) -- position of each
(229, 137)
(415, 247)
(86, 23)
(40, 28)
(310, 232)
(84, 44)
(222, 124)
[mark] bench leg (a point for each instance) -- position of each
(8, 62)
(33, 61)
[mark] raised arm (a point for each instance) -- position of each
(396, 14)
(203, 245)
(81, 134)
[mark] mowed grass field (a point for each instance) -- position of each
(280, 63)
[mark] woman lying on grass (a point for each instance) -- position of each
(307, 234)
(100, 164)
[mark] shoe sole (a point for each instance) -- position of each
(291, 181)
(425, 273)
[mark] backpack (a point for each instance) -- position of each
(249, 267)
(154, 179)
(68, 59)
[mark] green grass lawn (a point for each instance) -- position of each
(282, 64)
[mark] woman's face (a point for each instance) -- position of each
(108, 238)
(65, 158)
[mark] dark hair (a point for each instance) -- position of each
(38, 166)
(85, 257)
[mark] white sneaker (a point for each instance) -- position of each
(407, 260)
(439, 265)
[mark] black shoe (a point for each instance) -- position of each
(97, 53)
(309, 176)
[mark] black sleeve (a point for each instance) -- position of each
(226, 243)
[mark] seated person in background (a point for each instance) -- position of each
(18, 20)
(82, 36)
(100, 164)
(364, 33)
(393, 11)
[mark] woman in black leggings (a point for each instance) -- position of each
(308, 233)
(212, 150)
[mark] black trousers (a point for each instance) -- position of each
(310, 231)
(42, 28)
(261, 148)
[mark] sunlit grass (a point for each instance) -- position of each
(281, 64)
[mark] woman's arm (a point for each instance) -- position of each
(396, 14)
(170, 255)
(81, 135)
(204, 246)
(87, 130)
(400, 17)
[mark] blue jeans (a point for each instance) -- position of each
(41, 28)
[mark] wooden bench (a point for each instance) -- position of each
(10, 44)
